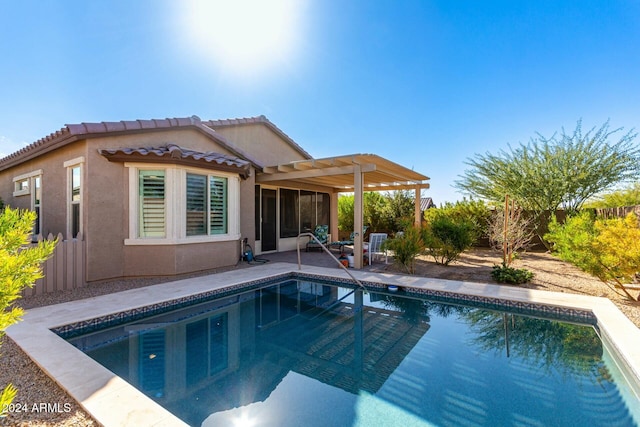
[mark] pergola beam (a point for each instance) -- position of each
(313, 173)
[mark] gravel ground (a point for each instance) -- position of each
(35, 387)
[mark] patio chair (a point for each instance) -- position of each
(322, 234)
(375, 246)
(342, 243)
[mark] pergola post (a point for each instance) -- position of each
(418, 212)
(333, 227)
(358, 204)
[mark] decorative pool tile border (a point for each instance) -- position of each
(75, 329)
(516, 307)
(82, 327)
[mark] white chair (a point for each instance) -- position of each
(375, 246)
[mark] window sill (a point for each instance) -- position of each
(150, 241)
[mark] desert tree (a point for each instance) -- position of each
(562, 171)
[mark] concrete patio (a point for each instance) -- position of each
(317, 259)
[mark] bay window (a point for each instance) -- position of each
(177, 205)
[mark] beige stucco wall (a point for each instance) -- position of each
(105, 202)
(107, 254)
(168, 260)
(261, 143)
(54, 186)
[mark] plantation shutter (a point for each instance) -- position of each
(152, 204)
(218, 205)
(196, 204)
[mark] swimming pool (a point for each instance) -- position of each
(317, 352)
(112, 401)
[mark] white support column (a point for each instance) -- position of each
(418, 212)
(333, 228)
(357, 216)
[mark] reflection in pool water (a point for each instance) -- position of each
(302, 353)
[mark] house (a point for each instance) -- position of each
(425, 204)
(172, 196)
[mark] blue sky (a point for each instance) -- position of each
(426, 84)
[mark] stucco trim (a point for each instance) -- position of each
(183, 240)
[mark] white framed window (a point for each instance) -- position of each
(206, 203)
(152, 204)
(31, 184)
(178, 205)
(36, 203)
(22, 184)
(74, 196)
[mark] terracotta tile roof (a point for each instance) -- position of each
(172, 153)
(258, 120)
(74, 132)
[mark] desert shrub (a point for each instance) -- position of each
(445, 239)
(398, 211)
(474, 212)
(515, 276)
(19, 268)
(608, 249)
(406, 246)
(519, 233)
(378, 212)
(345, 213)
(629, 196)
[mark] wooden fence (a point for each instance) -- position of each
(64, 270)
(618, 212)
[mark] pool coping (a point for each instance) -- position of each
(114, 402)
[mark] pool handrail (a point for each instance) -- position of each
(330, 254)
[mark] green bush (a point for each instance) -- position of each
(399, 210)
(515, 276)
(629, 196)
(345, 213)
(445, 239)
(19, 268)
(608, 249)
(474, 212)
(406, 247)
(388, 212)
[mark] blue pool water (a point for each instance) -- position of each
(300, 353)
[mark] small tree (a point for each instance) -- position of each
(399, 210)
(608, 249)
(510, 231)
(19, 268)
(558, 172)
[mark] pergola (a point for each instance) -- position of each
(353, 173)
